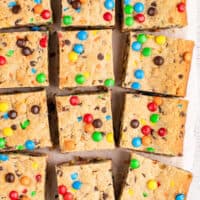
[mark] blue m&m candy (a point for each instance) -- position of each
(126, 2)
(137, 142)
(139, 74)
(76, 185)
(30, 145)
(139, 7)
(109, 4)
(136, 46)
(82, 35)
(180, 197)
(135, 86)
(78, 48)
(4, 157)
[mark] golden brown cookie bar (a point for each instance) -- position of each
(23, 59)
(151, 179)
(24, 121)
(87, 13)
(158, 64)
(85, 122)
(86, 58)
(91, 181)
(153, 15)
(153, 124)
(24, 12)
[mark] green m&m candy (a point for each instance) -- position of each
(142, 38)
(134, 164)
(2, 143)
(67, 20)
(129, 21)
(97, 136)
(80, 79)
(150, 149)
(128, 9)
(25, 124)
(41, 78)
(154, 118)
(109, 82)
(147, 51)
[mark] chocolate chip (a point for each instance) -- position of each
(100, 56)
(13, 127)
(16, 9)
(35, 109)
(76, 4)
(97, 123)
(154, 4)
(9, 177)
(12, 114)
(134, 123)
(26, 51)
(151, 11)
(105, 196)
(104, 110)
(180, 76)
(21, 43)
(67, 42)
(158, 60)
(33, 63)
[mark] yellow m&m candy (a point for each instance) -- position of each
(7, 132)
(73, 57)
(161, 39)
(152, 185)
(4, 107)
(109, 138)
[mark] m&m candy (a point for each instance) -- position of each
(67, 20)
(76, 185)
(46, 14)
(4, 157)
(129, 21)
(141, 38)
(74, 100)
(136, 142)
(109, 82)
(78, 48)
(82, 35)
(139, 74)
(162, 132)
(13, 195)
(97, 136)
(134, 164)
(136, 46)
(88, 118)
(146, 130)
(147, 51)
(181, 7)
(152, 106)
(152, 185)
(80, 79)
(4, 107)
(154, 118)
(109, 4)
(2, 143)
(2, 60)
(135, 86)
(139, 7)
(140, 18)
(107, 16)
(161, 39)
(180, 197)
(62, 189)
(128, 9)
(41, 78)
(73, 56)
(30, 145)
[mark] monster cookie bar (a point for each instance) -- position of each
(158, 64)
(85, 181)
(87, 13)
(24, 121)
(152, 15)
(153, 124)
(89, 122)
(150, 179)
(86, 58)
(23, 59)
(22, 177)
(15, 13)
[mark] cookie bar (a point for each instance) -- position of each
(158, 64)
(81, 13)
(89, 122)
(24, 121)
(153, 124)
(153, 15)
(91, 181)
(25, 13)
(23, 59)
(86, 58)
(150, 179)
(22, 177)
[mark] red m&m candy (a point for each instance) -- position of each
(62, 189)
(43, 42)
(181, 7)
(74, 101)
(152, 106)
(140, 18)
(88, 118)
(38, 177)
(46, 14)
(2, 60)
(146, 130)
(68, 196)
(107, 16)
(13, 195)
(162, 132)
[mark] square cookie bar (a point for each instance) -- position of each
(23, 177)
(91, 181)
(153, 15)
(150, 179)
(158, 64)
(24, 13)
(86, 58)
(81, 13)
(153, 124)
(24, 121)
(23, 59)
(85, 122)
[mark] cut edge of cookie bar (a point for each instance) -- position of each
(146, 142)
(108, 137)
(76, 180)
(154, 171)
(124, 28)
(180, 90)
(35, 160)
(9, 131)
